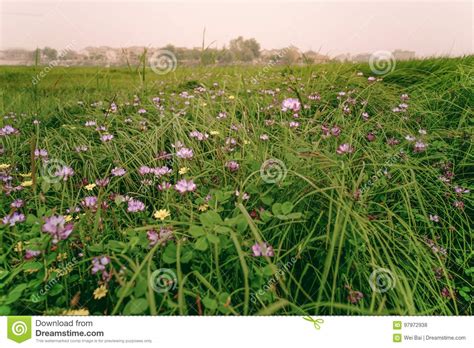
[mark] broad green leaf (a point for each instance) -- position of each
(136, 306)
(201, 244)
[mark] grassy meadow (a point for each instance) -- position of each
(318, 189)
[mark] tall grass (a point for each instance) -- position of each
(336, 238)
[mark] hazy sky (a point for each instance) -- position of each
(331, 27)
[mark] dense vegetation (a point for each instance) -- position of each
(292, 190)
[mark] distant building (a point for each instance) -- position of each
(403, 55)
(361, 58)
(315, 57)
(345, 57)
(17, 56)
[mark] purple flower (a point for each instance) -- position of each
(245, 195)
(164, 186)
(460, 190)
(344, 148)
(118, 171)
(221, 115)
(232, 166)
(325, 130)
(198, 135)
(354, 296)
(8, 130)
(106, 137)
(17, 203)
(393, 141)
(29, 254)
(64, 173)
(434, 218)
(292, 104)
(178, 145)
(41, 153)
(102, 182)
(160, 171)
(183, 186)
(269, 122)
(58, 229)
(89, 202)
(161, 237)
(99, 263)
(184, 153)
(152, 237)
(335, 131)
(263, 249)
(13, 218)
(81, 148)
(134, 206)
(294, 124)
(419, 147)
(143, 170)
(73, 210)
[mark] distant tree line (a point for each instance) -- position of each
(239, 50)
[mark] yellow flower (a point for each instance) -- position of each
(183, 170)
(90, 187)
(26, 175)
(100, 292)
(203, 207)
(68, 218)
(19, 247)
(246, 142)
(27, 183)
(231, 97)
(204, 104)
(61, 256)
(82, 311)
(214, 132)
(161, 214)
(4, 166)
